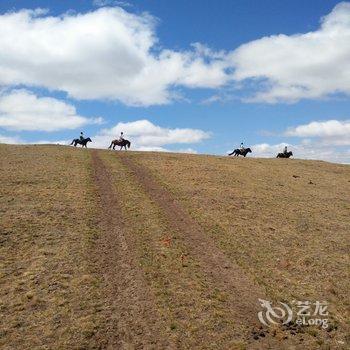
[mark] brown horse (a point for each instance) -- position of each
(121, 144)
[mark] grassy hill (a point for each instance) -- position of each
(103, 249)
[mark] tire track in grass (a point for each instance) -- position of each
(243, 292)
(132, 319)
(190, 303)
(204, 323)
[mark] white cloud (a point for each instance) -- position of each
(105, 54)
(162, 149)
(144, 135)
(187, 150)
(266, 150)
(50, 142)
(289, 68)
(334, 132)
(23, 110)
(10, 139)
(113, 54)
(321, 129)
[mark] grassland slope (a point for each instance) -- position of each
(155, 250)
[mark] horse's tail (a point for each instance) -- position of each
(129, 143)
(72, 143)
(110, 145)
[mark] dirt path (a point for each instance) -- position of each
(242, 292)
(133, 322)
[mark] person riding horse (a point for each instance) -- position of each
(241, 151)
(287, 154)
(121, 142)
(81, 141)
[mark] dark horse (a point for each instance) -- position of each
(237, 152)
(284, 155)
(82, 142)
(121, 144)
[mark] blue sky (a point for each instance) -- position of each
(267, 73)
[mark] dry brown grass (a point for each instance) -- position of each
(191, 307)
(285, 222)
(47, 290)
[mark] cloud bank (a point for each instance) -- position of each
(110, 53)
(104, 54)
(23, 110)
(289, 68)
(331, 132)
(146, 136)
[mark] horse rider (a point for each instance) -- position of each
(285, 150)
(81, 136)
(121, 138)
(241, 147)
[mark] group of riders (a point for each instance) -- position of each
(243, 151)
(121, 137)
(122, 142)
